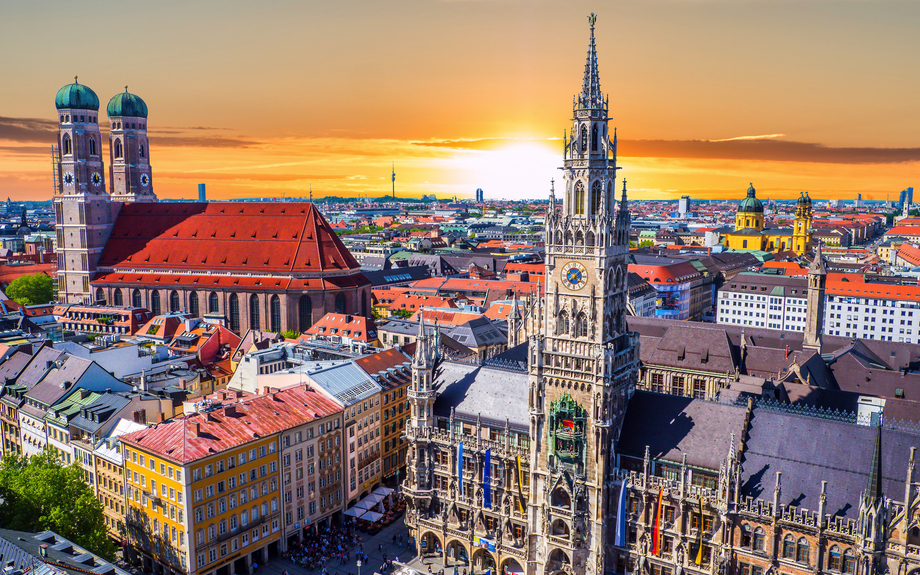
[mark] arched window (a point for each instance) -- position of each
(275, 314)
(213, 303)
(119, 151)
(594, 138)
(758, 533)
(304, 313)
(136, 298)
(174, 304)
(117, 297)
(66, 145)
(584, 138)
(364, 304)
(234, 316)
(596, 190)
(254, 322)
(100, 296)
(849, 561)
(834, 559)
(788, 547)
(561, 498)
(581, 325)
(562, 324)
(193, 303)
(92, 146)
(589, 239)
(155, 302)
(801, 551)
(558, 238)
(141, 150)
(340, 303)
(746, 536)
(579, 199)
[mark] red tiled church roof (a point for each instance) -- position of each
(242, 237)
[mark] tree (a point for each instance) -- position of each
(38, 493)
(402, 313)
(32, 289)
(291, 334)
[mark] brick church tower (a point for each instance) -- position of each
(583, 366)
(83, 211)
(129, 170)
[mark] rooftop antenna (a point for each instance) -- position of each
(393, 177)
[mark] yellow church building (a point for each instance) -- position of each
(750, 234)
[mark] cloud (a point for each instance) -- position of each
(27, 129)
(210, 176)
(761, 137)
(487, 144)
(201, 142)
(764, 150)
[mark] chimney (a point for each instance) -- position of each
(161, 417)
(196, 427)
(230, 410)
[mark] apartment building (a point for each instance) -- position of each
(392, 369)
(763, 300)
(110, 478)
(311, 465)
(872, 307)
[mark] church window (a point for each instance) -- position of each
(155, 302)
(584, 138)
(174, 304)
(275, 315)
(579, 199)
(66, 145)
(193, 303)
(118, 298)
(213, 303)
(119, 151)
(594, 138)
(136, 298)
(141, 150)
(234, 315)
(340, 303)
(62, 118)
(92, 146)
(254, 319)
(305, 313)
(561, 498)
(100, 296)
(744, 243)
(596, 190)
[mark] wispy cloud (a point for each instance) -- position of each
(765, 150)
(761, 137)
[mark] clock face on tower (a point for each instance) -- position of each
(97, 179)
(145, 179)
(68, 178)
(574, 275)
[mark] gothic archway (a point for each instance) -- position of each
(275, 314)
(233, 317)
(136, 300)
(305, 313)
(193, 303)
(118, 297)
(254, 319)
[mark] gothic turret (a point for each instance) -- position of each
(814, 321)
(129, 170)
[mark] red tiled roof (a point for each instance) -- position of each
(412, 302)
(910, 253)
(264, 237)
(394, 358)
(252, 420)
(856, 285)
(446, 317)
(354, 327)
(903, 231)
(166, 281)
(671, 273)
(790, 268)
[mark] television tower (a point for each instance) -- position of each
(394, 180)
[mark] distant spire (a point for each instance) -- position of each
(591, 96)
(874, 486)
(75, 80)
(817, 266)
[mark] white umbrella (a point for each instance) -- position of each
(372, 516)
(364, 505)
(383, 490)
(354, 511)
(374, 498)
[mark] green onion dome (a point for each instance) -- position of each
(126, 104)
(751, 204)
(76, 96)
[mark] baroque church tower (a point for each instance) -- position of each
(82, 209)
(582, 366)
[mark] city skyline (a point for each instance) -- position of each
(269, 100)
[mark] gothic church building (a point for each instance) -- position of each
(269, 266)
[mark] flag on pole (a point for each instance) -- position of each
(460, 467)
(520, 485)
(487, 480)
(656, 543)
(620, 539)
(699, 551)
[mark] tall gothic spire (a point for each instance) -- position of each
(591, 96)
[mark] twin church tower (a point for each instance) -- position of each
(84, 208)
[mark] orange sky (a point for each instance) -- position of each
(260, 99)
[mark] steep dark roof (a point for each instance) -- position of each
(474, 390)
(672, 426)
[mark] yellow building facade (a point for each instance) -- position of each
(750, 234)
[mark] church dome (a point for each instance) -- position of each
(803, 201)
(76, 96)
(751, 204)
(126, 104)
